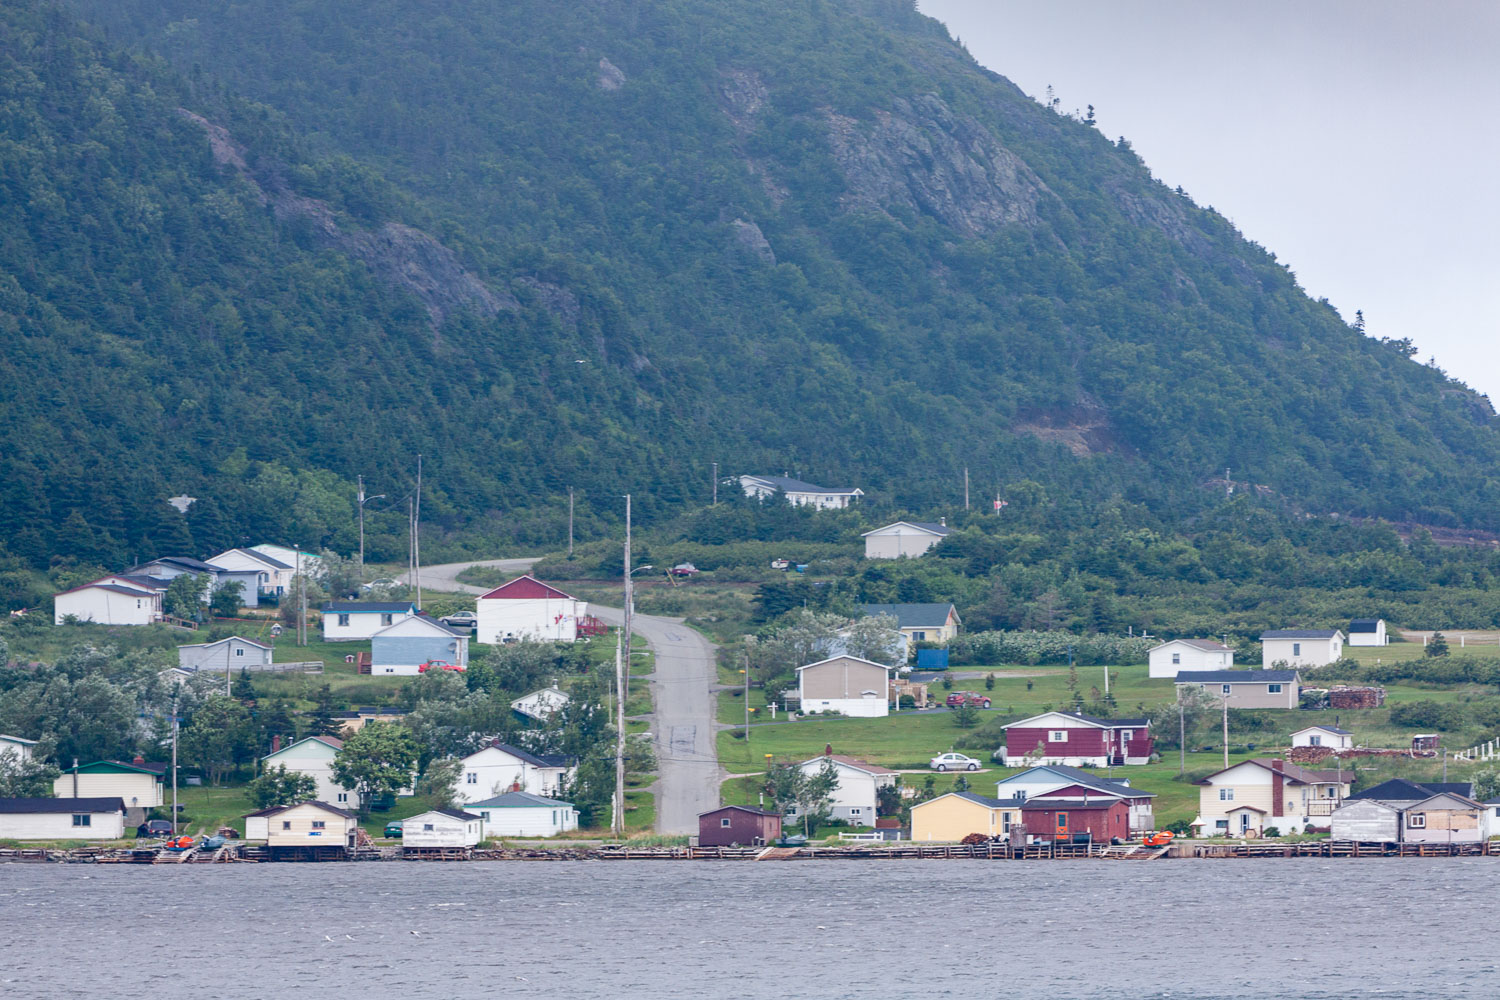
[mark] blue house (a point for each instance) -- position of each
(403, 646)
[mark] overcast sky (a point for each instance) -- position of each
(1355, 139)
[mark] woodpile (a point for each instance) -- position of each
(1349, 697)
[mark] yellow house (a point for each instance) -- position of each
(920, 622)
(311, 824)
(954, 816)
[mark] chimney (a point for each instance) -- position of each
(942, 522)
(276, 743)
(828, 750)
(1276, 764)
(139, 760)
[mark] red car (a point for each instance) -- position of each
(437, 665)
(958, 698)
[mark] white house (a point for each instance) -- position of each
(1301, 647)
(353, 620)
(521, 814)
(1323, 736)
(1049, 779)
(800, 494)
(233, 653)
(527, 608)
(313, 755)
(847, 685)
(855, 797)
(540, 705)
(501, 768)
(310, 564)
(904, 538)
(403, 646)
(107, 603)
(171, 567)
(97, 818)
(1368, 632)
(271, 576)
(15, 746)
(1176, 655)
(442, 828)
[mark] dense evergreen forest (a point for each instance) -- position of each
(250, 251)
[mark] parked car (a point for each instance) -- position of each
(461, 619)
(683, 569)
(958, 698)
(393, 828)
(954, 762)
(374, 584)
(154, 828)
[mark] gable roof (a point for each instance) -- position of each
(6, 738)
(1298, 775)
(517, 800)
(986, 800)
(220, 642)
(156, 770)
(1078, 776)
(367, 607)
(306, 802)
(1209, 645)
(1237, 677)
(858, 765)
(843, 656)
(1327, 729)
(1085, 719)
(535, 760)
(931, 527)
(1364, 625)
(1300, 633)
(425, 619)
(743, 809)
(259, 557)
(1043, 801)
(114, 588)
(913, 615)
(786, 484)
(451, 813)
(1403, 790)
(1463, 800)
(332, 742)
(186, 562)
(113, 804)
(526, 588)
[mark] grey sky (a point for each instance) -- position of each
(1353, 138)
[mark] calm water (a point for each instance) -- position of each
(1191, 929)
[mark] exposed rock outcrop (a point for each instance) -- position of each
(398, 254)
(742, 94)
(749, 238)
(921, 157)
(611, 77)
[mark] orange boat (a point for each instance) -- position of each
(1160, 838)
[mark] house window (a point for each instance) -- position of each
(554, 818)
(426, 827)
(1221, 824)
(1226, 795)
(343, 621)
(1416, 821)
(1273, 688)
(343, 796)
(1315, 741)
(241, 652)
(286, 824)
(1296, 649)
(473, 777)
(385, 619)
(82, 819)
(1225, 688)
(723, 822)
(1176, 659)
(854, 811)
(919, 636)
(1057, 736)
(318, 824)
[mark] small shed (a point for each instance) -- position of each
(1365, 820)
(1066, 819)
(94, 818)
(1426, 741)
(233, 653)
(1323, 736)
(441, 828)
(737, 826)
(1367, 632)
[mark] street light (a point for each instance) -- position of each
(362, 501)
(630, 591)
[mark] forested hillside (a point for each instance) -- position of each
(606, 245)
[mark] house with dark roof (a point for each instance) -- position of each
(501, 768)
(1172, 657)
(1244, 799)
(345, 621)
(1245, 688)
(1368, 632)
(1323, 736)
(904, 538)
(799, 493)
(1301, 647)
(91, 818)
(521, 814)
(441, 829)
(1405, 811)
(108, 601)
(1077, 740)
(920, 622)
(735, 826)
(951, 817)
(527, 608)
(402, 647)
(1071, 782)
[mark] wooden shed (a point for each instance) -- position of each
(1049, 818)
(729, 826)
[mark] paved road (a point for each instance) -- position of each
(688, 777)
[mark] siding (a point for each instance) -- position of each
(403, 654)
(59, 826)
(744, 828)
(951, 818)
(538, 822)
(335, 833)
(141, 791)
(1083, 742)
(1104, 824)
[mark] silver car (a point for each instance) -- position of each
(954, 762)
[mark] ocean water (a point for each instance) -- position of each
(1210, 929)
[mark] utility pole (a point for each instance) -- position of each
(416, 536)
(411, 562)
(1228, 484)
(1181, 738)
(361, 499)
(570, 522)
(301, 599)
(966, 487)
(716, 484)
(1226, 729)
(629, 603)
(174, 767)
(747, 696)
(620, 671)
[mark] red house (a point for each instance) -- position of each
(1054, 817)
(736, 826)
(1078, 740)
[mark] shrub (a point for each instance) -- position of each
(1271, 831)
(1051, 647)
(1428, 715)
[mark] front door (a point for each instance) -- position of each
(1062, 824)
(1244, 823)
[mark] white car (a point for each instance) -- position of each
(954, 762)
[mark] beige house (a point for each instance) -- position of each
(1244, 799)
(1245, 688)
(904, 538)
(952, 817)
(310, 824)
(1445, 818)
(138, 784)
(920, 622)
(847, 685)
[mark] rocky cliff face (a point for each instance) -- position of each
(398, 254)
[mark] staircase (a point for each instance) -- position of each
(778, 854)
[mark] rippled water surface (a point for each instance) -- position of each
(1397, 928)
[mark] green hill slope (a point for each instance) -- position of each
(798, 235)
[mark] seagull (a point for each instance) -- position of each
(522, 979)
(417, 933)
(348, 938)
(327, 938)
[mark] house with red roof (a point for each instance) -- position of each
(527, 608)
